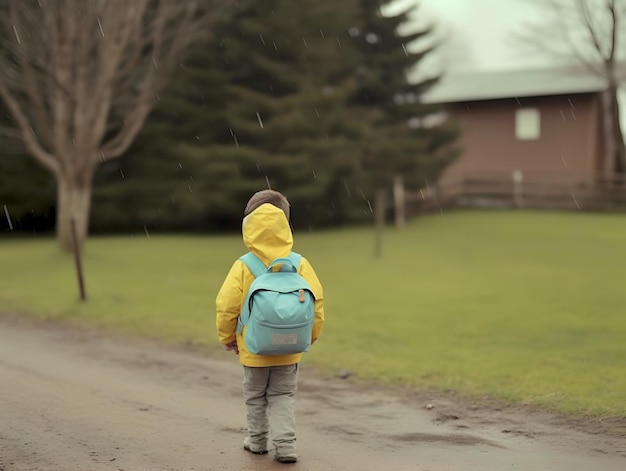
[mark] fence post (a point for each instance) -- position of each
(399, 199)
(379, 221)
(518, 188)
(79, 263)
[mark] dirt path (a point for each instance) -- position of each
(79, 400)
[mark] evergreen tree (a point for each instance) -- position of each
(159, 183)
(279, 122)
(26, 190)
(287, 94)
(306, 97)
(404, 139)
(339, 111)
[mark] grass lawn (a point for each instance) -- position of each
(525, 306)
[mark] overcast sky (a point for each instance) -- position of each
(479, 32)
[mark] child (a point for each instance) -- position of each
(270, 382)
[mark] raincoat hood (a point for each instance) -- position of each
(266, 233)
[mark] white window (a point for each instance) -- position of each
(527, 124)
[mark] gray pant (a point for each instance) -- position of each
(269, 395)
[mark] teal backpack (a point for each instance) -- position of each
(279, 309)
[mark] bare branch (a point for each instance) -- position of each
(589, 25)
(614, 30)
(75, 69)
(30, 139)
(29, 76)
(166, 46)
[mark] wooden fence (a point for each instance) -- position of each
(521, 191)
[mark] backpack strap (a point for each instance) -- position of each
(295, 258)
(254, 264)
(257, 267)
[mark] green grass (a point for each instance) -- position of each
(528, 307)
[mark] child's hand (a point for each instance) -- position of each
(232, 346)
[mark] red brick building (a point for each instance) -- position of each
(546, 124)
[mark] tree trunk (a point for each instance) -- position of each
(399, 201)
(380, 207)
(73, 202)
(619, 152)
(607, 131)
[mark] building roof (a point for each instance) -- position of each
(454, 88)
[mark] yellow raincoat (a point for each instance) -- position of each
(267, 234)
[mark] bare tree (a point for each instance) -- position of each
(79, 78)
(592, 33)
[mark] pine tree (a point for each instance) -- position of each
(405, 137)
(26, 189)
(159, 183)
(287, 92)
(309, 98)
(272, 114)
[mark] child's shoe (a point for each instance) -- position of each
(286, 458)
(254, 448)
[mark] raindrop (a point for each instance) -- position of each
(345, 184)
(406, 53)
(575, 201)
(232, 133)
(398, 99)
(17, 36)
(371, 38)
(197, 138)
(6, 213)
(145, 229)
(262, 40)
(267, 180)
(304, 42)
(158, 97)
(275, 46)
(564, 161)
(370, 206)
(259, 118)
(156, 66)
(258, 167)
(100, 26)
(317, 113)
(519, 103)
(122, 173)
(339, 42)
(563, 116)
(410, 97)
(314, 174)
(180, 165)
(189, 186)
(322, 33)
